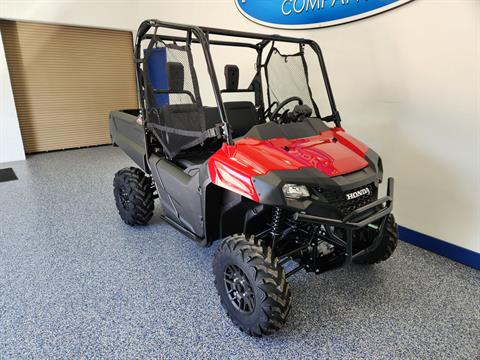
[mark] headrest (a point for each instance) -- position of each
(231, 77)
(176, 76)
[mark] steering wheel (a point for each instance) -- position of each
(285, 102)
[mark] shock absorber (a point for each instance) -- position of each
(277, 218)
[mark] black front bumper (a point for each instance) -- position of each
(357, 219)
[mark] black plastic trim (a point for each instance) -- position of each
(269, 186)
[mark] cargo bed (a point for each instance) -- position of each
(127, 134)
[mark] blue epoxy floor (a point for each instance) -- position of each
(75, 282)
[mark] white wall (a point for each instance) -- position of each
(407, 83)
(11, 144)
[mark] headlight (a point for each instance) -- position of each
(293, 191)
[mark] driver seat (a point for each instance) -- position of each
(242, 116)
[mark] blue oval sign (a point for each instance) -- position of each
(304, 14)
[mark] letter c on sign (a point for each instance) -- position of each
(286, 13)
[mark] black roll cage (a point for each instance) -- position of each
(201, 35)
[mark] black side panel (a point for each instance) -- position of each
(228, 213)
(212, 200)
(128, 135)
(179, 194)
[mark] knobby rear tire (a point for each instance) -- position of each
(134, 196)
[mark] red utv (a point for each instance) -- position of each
(276, 179)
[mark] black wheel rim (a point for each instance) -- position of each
(123, 195)
(239, 289)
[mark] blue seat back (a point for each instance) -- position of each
(157, 73)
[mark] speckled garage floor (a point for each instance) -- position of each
(75, 282)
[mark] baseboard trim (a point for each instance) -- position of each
(454, 252)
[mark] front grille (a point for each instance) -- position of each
(338, 198)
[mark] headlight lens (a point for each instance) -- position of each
(294, 191)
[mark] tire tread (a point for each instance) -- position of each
(141, 195)
(386, 247)
(270, 277)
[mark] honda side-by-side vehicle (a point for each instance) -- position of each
(276, 179)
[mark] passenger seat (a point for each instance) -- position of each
(241, 114)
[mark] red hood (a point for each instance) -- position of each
(333, 152)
